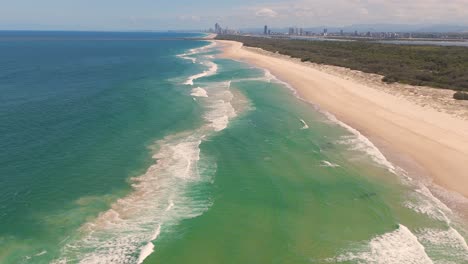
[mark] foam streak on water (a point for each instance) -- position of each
(421, 200)
(191, 53)
(199, 92)
(162, 196)
(118, 234)
(213, 67)
(326, 163)
(399, 246)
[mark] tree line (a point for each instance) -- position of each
(423, 65)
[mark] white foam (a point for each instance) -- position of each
(159, 198)
(357, 141)
(427, 193)
(424, 202)
(399, 246)
(361, 143)
(36, 255)
(211, 45)
(449, 237)
(213, 68)
(186, 56)
(190, 53)
(326, 163)
(268, 76)
(149, 248)
(170, 206)
(305, 126)
(199, 92)
(145, 252)
(446, 244)
(221, 111)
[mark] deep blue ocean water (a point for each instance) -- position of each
(77, 118)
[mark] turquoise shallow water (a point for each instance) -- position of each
(137, 149)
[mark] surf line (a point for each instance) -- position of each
(433, 207)
(127, 231)
(213, 68)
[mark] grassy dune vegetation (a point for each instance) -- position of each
(435, 66)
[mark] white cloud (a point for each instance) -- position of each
(345, 12)
(191, 18)
(266, 12)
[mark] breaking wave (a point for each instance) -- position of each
(326, 163)
(399, 246)
(167, 193)
(199, 92)
(213, 68)
(189, 55)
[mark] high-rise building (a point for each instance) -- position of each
(265, 30)
(301, 31)
(341, 32)
(218, 29)
(325, 31)
(291, 31)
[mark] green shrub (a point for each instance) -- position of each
(390, 79)
(460, 96)
(436, 66)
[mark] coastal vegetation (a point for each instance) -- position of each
(460, 95)
(435, 66)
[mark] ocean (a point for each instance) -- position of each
(149, 148)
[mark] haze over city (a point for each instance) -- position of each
(185, 14)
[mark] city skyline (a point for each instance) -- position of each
(159, 15)
(374, 31)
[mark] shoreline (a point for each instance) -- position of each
(430, 143)
(210, 36)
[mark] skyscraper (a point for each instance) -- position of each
(265, 30)
(218, 29)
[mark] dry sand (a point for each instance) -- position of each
(210, 36)
(420, 129)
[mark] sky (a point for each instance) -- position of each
(202, 14)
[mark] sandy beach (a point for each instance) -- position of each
(425, 135)
(210, 36)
